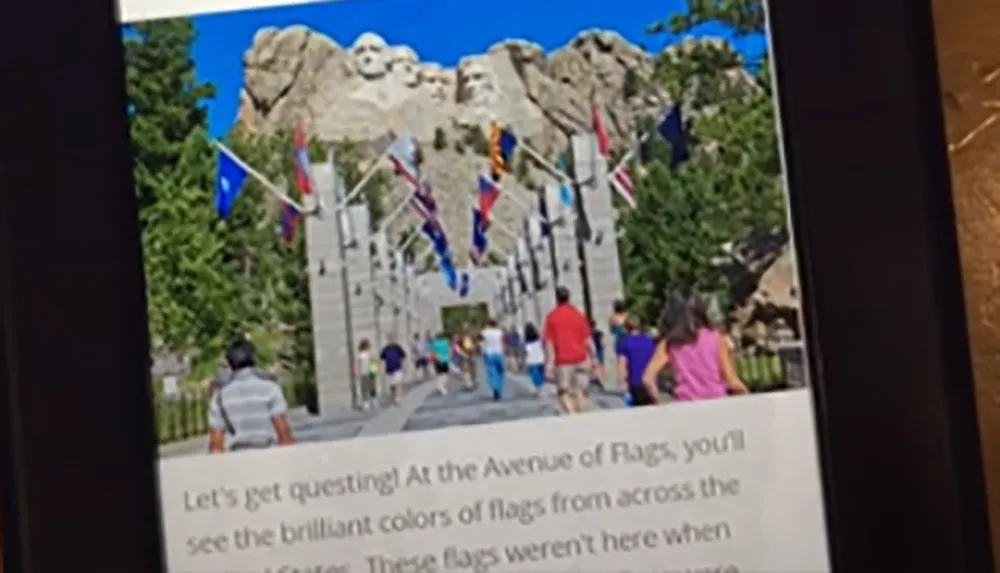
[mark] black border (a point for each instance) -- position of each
(874, 230)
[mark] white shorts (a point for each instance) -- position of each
(396, 378)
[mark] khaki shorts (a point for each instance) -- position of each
(573, 377)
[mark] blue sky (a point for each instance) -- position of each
(439, 30)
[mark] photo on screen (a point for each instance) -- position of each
(415, 266)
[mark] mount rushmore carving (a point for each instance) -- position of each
(362, 91)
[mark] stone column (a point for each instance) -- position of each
(342, 310)
(567, 257)
(602, 263)
(327, 296)
(360, 279)
(384, 290)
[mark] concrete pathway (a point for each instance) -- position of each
(422, 408)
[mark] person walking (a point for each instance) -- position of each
(440, 349)
(616, 323)
(470, 349)
(515, 352)
(597, 335)
(698, 354)
(494, 358)
(394, 359)
(569, 352)
(635, 350)
(534, 357)
(366, 372)
(418, 353)
(249, 410)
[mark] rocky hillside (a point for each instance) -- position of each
(361, 91)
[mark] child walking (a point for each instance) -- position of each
(440, 349)
(366, 370)
(700, 358)
(534, 357)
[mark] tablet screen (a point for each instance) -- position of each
(447, 286)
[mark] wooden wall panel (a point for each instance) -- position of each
(968, 45)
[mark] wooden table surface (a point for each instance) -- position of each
(968, 45)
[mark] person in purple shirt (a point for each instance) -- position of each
(635, 349)
(697, 353)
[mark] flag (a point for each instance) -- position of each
(448, 271)
(565, 190)
(230, 175)
(402, 153)
(501, 149)
(435, 234)
(477, 253)
(489, 193)
(621, 181)
(425, 206)
(302, 176)
(463, 286)
(672, 130)
(597, 124)
(289, 222)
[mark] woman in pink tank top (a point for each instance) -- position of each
(700, 358)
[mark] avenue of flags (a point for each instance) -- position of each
(403, 153)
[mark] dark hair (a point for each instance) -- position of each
(364, 345)
(531, 333)
(682, 320)
(618, 306)
(562, 295)
(491, 323)
(241, 354)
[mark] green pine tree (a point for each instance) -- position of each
(730, 189)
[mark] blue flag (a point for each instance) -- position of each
(672, 130)
(448, 270)
(565, 191)
(434, 233)
(230, 175)
(463, 287)
(479, 243)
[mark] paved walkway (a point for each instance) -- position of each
(422, 408)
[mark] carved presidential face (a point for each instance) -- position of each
(403, 63)
(477, 83)
(439, 82)
(371, 55)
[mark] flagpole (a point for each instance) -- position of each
(504, 229)
(409, 241)
(552, 169)
(258, 176)
(396, 212)
(365, 178)
(628, 155)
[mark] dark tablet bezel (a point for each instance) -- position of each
(875, 237)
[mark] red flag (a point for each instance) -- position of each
(603, 142)
(302, 162)
(621, 181)
(489, 193)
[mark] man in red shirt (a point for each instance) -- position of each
(569, 351)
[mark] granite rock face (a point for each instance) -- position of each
(362, 91)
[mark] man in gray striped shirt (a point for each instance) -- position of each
(249, 409)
